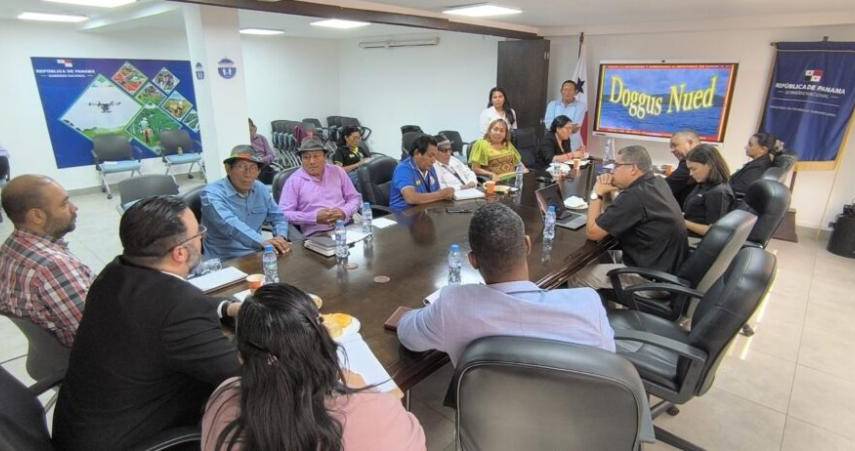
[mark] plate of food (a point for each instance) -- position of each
(340, 325)
(575, 203)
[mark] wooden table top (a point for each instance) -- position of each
(414, 253)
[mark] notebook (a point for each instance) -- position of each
(218, 279)
(468, 193)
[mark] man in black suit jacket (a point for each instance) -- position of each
(149, 349)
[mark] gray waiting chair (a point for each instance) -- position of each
(47, 358)
(113, 154)
(134, 189)
(176, 148)
(515, 393)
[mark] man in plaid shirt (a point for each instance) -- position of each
(39, 278)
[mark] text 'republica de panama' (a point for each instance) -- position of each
(640, 104)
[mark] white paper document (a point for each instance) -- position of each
(240, 296)
(360, 359)
(218, 279)
(468, 193)
(382, 223)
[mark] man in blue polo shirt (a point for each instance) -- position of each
(415, 181)
(235, 208)
(568, 106)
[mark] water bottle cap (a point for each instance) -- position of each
(552, 208)
(268, 248)
(455, 247)
(366, 205)
(339, 223)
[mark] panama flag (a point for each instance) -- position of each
(580, 75)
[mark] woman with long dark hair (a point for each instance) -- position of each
(291, 394)
(556, 147)
(498, 107)
(711, 198)
(762, 148)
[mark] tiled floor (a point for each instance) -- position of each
(791, 386)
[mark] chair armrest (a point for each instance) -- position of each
(651, 274)
(682, 349)
(170, 438)
(752, 244)
(47, 383)
(623, 297)
(671, 288)
(381, 209)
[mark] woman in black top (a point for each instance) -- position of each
(555, 147)
(761, 148)
(350, 155)
(712, 197)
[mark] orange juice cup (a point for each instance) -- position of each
(577, 163)
(255, 281)
(490, 187)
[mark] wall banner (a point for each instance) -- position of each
(87, 97)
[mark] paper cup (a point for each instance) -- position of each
(490, 187)
(255, 281)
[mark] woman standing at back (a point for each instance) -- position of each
(498, 107)
(291, 394)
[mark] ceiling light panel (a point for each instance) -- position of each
(96, 3)
(261, 31)
(339, 24)
(51, 17)
(481, 10)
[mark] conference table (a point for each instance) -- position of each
(413, 255)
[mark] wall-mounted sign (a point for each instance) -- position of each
(226, 68)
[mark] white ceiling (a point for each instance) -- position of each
(541, 14)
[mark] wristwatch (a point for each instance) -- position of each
(594, 196)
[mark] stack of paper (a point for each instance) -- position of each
(355, 355)
(468, 193)
(218, 279)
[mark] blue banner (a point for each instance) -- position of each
(811, 97)
(87, 97)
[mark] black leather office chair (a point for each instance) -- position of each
(785, 161)
(411, 128)
(193, 198)
(113, 154)
(177, 148)
(677, 365)
(516, 393)
(375, 178)
(279, 182)
(769, 200)
(47, 358)
(23, 425)
(526, 142)
(699, 271)
(457, 145)
(774, 173)
(136, 188)
(407, 140)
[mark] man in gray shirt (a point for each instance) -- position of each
(509, 303)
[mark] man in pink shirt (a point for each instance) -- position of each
(319, 193)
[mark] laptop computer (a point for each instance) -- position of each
(551, 196)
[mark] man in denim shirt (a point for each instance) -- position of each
(234, 209)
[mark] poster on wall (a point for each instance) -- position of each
(87, 97)
(656, 100)
(811, 99)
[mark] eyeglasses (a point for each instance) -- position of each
(202, 231)
(250, 167)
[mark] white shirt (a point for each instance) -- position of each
(447, 177)
(490, 114)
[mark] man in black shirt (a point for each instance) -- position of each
(645, 218)
(680, 182)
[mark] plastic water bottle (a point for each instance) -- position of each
(270, 265)
(609, 151)
(367, 216)
(549, 224)
(454, 264)
(518, 182)
(340, 241)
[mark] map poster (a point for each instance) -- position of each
(86, 97)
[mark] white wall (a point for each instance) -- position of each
(442, 87)
(23, 129)
(290, 78)
(749, 48)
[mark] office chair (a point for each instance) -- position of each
(47, 358)
(375, 178)
(770, 201)
(354, 122)
(176, 148)
(677, 365)
(407, 140)
(526, 142)
(457, 145)
(699, 271)
(193, 199)
(133, 189)
(411, 128)
(516, 393)
(113, 154)
(279, 182)
(23, 425)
